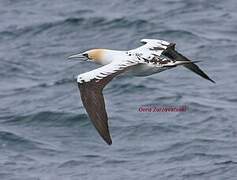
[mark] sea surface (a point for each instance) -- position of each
(45, 133)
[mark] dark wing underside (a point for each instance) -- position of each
(93, 101)
(171, 53)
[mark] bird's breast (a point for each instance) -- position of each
(145, 70)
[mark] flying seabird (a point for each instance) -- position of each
(152, 57)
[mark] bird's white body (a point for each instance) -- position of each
(144, 69)
(139, 61)
(152, 57)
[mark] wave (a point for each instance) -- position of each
(128, 88)
(48, 118)
(174, 33)
(71, 163)
(11, 140)
(83, 22)
(20, 143)
(57, 82)
(226, 162)
(17, 90)
(148, 129)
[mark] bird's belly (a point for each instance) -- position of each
(145, 70)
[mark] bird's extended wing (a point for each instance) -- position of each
(166, 49)
(154, 45)
(171, 53)
(91, 85)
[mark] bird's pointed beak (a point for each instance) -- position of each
(79, 56)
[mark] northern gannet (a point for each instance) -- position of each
(152, 57)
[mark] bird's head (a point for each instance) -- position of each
(96, 55)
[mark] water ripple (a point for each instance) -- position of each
(47, 118)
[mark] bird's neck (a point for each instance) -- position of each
(112, 55)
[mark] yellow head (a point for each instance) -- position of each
(95, 55)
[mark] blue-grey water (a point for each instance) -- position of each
(45, 133)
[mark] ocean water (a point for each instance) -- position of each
(45, 133)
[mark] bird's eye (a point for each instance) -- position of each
(86, 55)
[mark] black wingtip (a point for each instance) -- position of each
(194, 68)
(105, 135)
(108, 140)
(212, 80)
(109, 143)
(171, 53)
(207, 78)
(195, 62)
